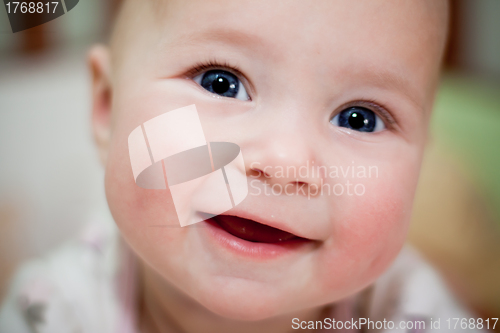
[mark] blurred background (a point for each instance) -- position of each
(51, 182)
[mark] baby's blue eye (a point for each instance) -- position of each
(359, 119)
(222, 83)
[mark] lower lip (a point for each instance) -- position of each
(259, 251)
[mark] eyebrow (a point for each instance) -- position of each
(230, 36)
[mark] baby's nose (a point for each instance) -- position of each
(286, 160)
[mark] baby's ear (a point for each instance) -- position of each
(100, 70)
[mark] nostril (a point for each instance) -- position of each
(299, 183)
(301, 188)
(257, 173)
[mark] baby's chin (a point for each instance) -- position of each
(245, 300)
(251, 300)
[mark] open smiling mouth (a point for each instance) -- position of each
(253, 231)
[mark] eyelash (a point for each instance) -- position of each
(213, 64)
(368, 103)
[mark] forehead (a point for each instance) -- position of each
(312, 25)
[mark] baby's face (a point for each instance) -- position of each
(321, 87)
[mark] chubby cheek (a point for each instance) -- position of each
(369, 230)
(146, 218)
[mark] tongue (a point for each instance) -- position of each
(251, 230)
